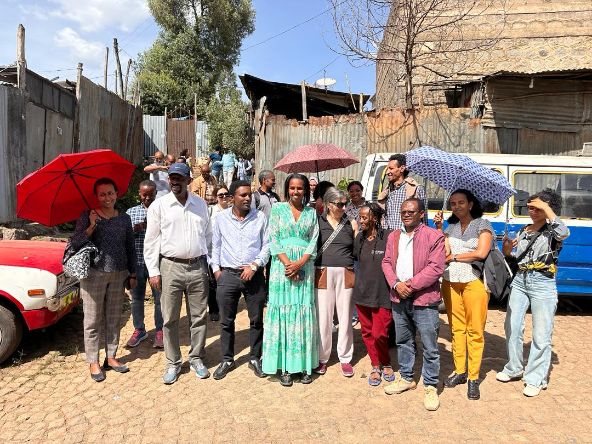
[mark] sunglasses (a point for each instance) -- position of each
(223, 195)
(408, 213)
(339, 204)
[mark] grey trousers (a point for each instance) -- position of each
(102, 296)
(191, 280)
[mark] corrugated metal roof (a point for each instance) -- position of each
(154, 134)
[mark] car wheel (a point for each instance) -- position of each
(11, 333)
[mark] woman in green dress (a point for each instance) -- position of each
(290, 338)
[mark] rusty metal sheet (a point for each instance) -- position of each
(180, 136)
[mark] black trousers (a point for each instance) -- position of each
(230, 287)
(212, 303)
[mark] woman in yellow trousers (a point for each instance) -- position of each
(468, 239)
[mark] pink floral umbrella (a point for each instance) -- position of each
(314, 158)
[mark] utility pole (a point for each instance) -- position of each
(21, 62)
(106, 67)
(303, 93)
(129, 65)
(119, 77)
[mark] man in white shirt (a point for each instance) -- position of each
(159, 172)
(178, 239)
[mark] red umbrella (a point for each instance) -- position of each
(316, 157)
(59, 191)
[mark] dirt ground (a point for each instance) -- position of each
(46, 395)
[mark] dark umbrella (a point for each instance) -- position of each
(59, 191)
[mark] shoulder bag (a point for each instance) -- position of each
(321, 272)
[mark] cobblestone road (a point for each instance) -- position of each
(46, 395)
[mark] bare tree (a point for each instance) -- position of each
(421, 38)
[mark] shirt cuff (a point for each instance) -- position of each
(215, 268)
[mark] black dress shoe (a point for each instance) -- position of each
(473, 390)
(223, 369)
(455, 379)
(214, 317)
(116, 368)
(98, 377)
(305, 378)
(255, 365)
(286, 379)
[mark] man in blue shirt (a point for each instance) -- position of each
(216, 163)
(240, 250)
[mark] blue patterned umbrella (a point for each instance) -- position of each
(454, 171)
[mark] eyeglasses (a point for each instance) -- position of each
(408, 213)
(339, 204)
(222, 195)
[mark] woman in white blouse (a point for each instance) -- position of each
(468, 239)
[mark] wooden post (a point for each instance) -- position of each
(166, 124)
(129, 65)
(195, 122)
(21, 61)
(361, 103)
(79, 99)
(116, 78)
(106, 67)
(118, 62)
(303, 92)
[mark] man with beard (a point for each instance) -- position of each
(240, 250)
(138, 215)
(177, 241)
(400, 188)
(204, 185)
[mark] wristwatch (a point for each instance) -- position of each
(254, 267)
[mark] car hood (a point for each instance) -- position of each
(33, 254)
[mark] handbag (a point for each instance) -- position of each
(321, 272)
(77, 264)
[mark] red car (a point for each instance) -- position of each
(34, 291)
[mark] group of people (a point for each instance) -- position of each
(310, 255)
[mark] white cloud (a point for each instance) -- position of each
(80, 48)
(34, 10)
(97, 15)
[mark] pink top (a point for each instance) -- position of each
(429, 259)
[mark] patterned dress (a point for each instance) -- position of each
(291, 336)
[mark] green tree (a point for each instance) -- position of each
(226, 114)
(199, 42)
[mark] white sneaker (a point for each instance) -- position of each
(504, 377)
(531, 391)
(431, 401)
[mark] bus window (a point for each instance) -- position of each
(575, 190)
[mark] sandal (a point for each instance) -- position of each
(374, 382)
(388, 377)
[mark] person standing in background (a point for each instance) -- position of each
(216, 163)
(159, 172)
(400, 188)
(229, 164)
(205, 185)
(356, 200)
(138, 215)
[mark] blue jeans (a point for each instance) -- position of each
(408, 320)
(540, 293)
(138, 296)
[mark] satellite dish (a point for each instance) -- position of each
(325, 82)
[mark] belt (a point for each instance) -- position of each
(232, 270)
(192, 260)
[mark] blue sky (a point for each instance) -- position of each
(61, 33)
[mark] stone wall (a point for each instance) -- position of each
(523, 36)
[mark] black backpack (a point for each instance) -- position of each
(496, 273)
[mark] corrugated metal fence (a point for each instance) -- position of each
(154, 134)
(107, 121)
(173, 136)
